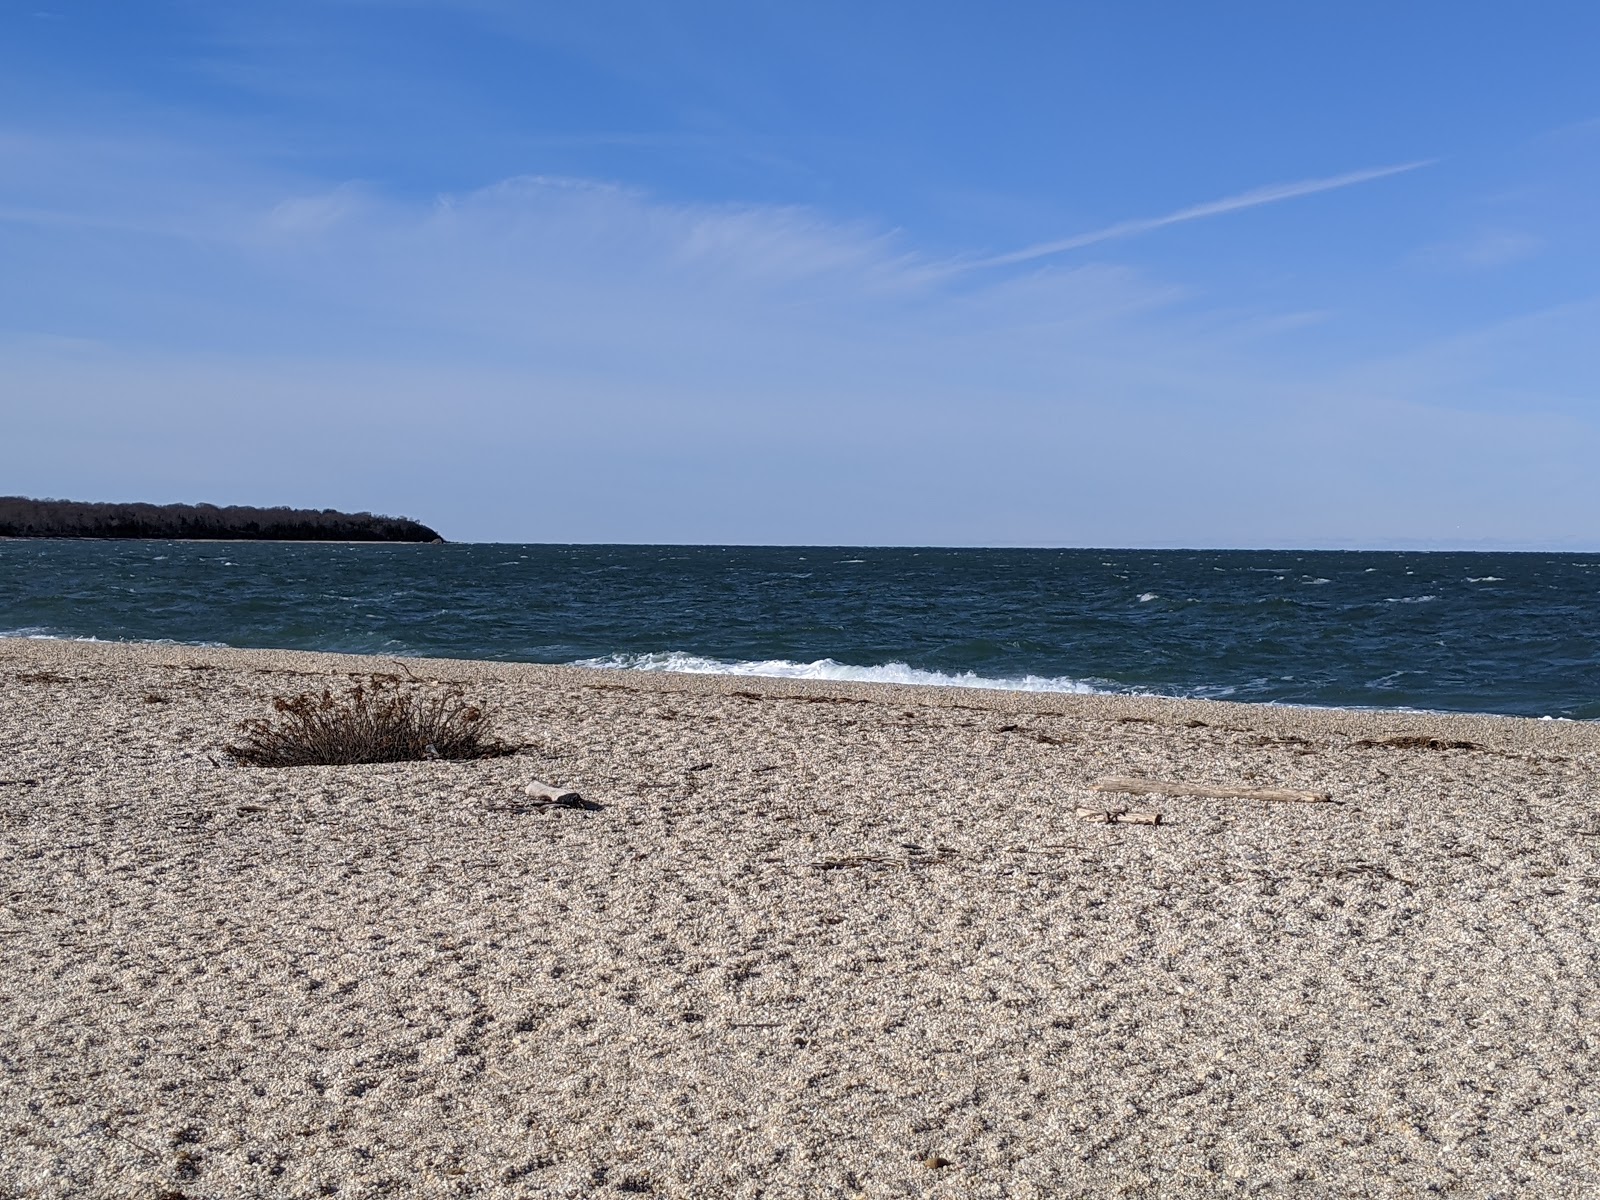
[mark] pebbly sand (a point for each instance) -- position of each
(819, 941)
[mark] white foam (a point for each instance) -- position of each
(1146, 597)
(1408, 599)
(827, 668)
(42, 634)
(1486, 579)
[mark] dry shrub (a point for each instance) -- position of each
(378, 722)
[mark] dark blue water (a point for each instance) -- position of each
(1505, 633)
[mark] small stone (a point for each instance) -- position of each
(934, 1162)
(552, 795)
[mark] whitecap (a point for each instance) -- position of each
(1486, 579)
(43, 634)
(829, 669)
(1408, 599)
(1146, 597)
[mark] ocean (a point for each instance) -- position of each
(1451, 632)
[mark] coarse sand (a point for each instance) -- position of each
(816, 940)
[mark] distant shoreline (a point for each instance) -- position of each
(70, 537)
(21, 517)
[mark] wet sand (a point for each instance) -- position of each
(818, 940)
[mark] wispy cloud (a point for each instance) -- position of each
(693, 348)
(1255, 198)
(1486, 249)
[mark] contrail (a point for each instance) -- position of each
(1270, 194)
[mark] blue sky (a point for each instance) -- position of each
(1250, 274)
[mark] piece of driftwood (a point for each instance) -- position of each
(1118, 817)
(1162, 787)
(554, 795)
(542, 796)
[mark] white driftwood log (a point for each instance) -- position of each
(551, 795)
(1104, 817)
(1161, 787)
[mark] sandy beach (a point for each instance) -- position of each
(816, 940)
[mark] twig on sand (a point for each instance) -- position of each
(854, 860)
(1118, 816)
(915, 856)
(121, 1137)
(1161, 787)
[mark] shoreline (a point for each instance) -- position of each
(958, 688)
(816, 938)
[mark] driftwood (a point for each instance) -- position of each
(544, 796)
(1114, 817)
(1161, 787)
(555, 795)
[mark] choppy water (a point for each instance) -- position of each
(1504, 633)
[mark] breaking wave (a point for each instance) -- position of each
(827, 668)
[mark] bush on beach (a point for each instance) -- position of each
(374, 723)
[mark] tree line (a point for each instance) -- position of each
(21, 517)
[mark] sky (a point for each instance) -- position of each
(1072, 274)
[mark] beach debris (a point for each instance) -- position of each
(1362, 867)
(543, 791)
(1418, 742)
(1162, 787)
(1042, 738)
(854, 860)
(1117, 816)
(915, 856)
(545, 796)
